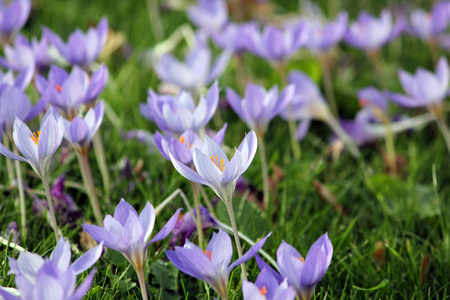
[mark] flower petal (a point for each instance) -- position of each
(167, 229)
(87, 260)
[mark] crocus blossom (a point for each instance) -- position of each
(234, 36)
(423, 89)
(183, 148)
(81, 49)
(80, 131)
(129, 233)
(370, 33)
(427, 25)
(22, 80)
(267, 287)
(213, 264)
(213, 167)
(39, 278)
(210, 15)
(322, 37)
(177, 114)
(67, 92)
(37, 148)
(12, 17)
(259, 107)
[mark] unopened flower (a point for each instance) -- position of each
(426, 25)
(322, 37)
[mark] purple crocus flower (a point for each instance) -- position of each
(259, 107)
(267, 287)
(427, 25)
(67, 92)
(183, 148)
(213, 167)
(322, 37)
(196, 71)
(213, 264)
(54, 277)
(234, 36)
(22, 80)
(12, 17)
(210, 15)
(370, 33)
(129, 233)
(277, 44)
(177, 114)
(37, 148)
(26, 54)
(80, 131)
(82, 49)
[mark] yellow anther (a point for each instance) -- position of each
(263, 291)
(209, 254)
(35, 137)
(215, 160)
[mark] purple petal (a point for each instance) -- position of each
(250, 253)
(123, 210)
(87, 260)
(187, 172)
(167, 229)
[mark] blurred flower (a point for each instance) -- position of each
(67, 92)
(12, 229)
(54, 277)
(177, 114)
(267, 287)
(129, 233)
(423, 89)
(22, 80)
(427, 25)
(13, 15)
(183, 149)
(186, 225)
(371, 33)
(213, 264)
(80, 131)
(234, 36)
(210, 15)
(321, 37)
(213, 167)
(277, 44)
(26, 54)
(82, 49)
(196, 71)
(39, 147)
(259, 107)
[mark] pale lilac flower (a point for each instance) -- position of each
(370, 33)
(13, 15)
(427, 25)
(277, 44)
(267, 287)
(259, 106)
(183, 148)
(37, 148)
(322, 37)
(213, 264)
(129, 233)
(177, 114)
(424, 88)
(213, 167)
(51, 278)
(22, 80)
(210, 15)
(82, 49)
(234, 36)
(196, 71)
(80, 131)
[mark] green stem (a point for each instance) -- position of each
(23, 217)
(328, 84)
(101, 161)
(50, 207)
(389, 139)
(265, 173)
(374, 56)
(336, 127)
(198, 219)
(444, 130)
(155, 19)
(83, 161)
(229, 205)
(142, 284)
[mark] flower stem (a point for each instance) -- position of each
(198, 218)
(444, 130)
(23, 217)
(101, 161)
(336, 127)
(328, 84)
(262, 152)
(229, 205)
(50, 207)
(142, 284)
(155, 18)
(389, 139)
(374, 56)
(83, 161)
(9, 167)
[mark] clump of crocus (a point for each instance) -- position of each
(129, 233)
(213, 264)
(177, 114)
(12, 18)
(81, 49)
(54, 277)
(267, 287)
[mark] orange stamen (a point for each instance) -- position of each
(263, 291)
(215, 160)
(182, 139)
(301, 259)
(363, 102)
(58, 88)
(209, 254)
(35, 137)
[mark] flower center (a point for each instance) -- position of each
(35, 137)
(215, 160)
(209, 254)
(363, 102)
(301, 259)
(58, 88)
(182, 139)
(263, 291)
